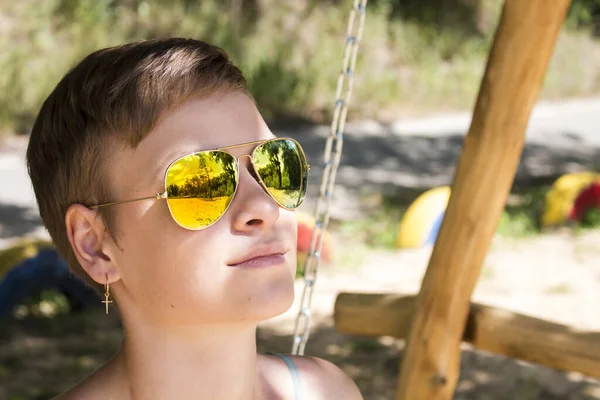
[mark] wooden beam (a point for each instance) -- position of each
(374, 314)
(490, 329)
(516, 67)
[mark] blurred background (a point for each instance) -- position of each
(418, 72)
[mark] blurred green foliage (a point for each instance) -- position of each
(591, 219)
(585, 13)
(416, 55)
(47, 304)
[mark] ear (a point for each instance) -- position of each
(87, 234)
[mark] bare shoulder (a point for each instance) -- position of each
(85, 390)
(78, 392)
(75, 393)
(96, 386)
(322, 379)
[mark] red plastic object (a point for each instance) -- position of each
(589, 198)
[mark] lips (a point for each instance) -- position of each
(262, 255)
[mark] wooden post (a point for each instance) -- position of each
(490, 329)
(516, 67)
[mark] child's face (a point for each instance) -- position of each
(183, 276)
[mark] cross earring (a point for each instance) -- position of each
(106, 293)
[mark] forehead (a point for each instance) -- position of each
(219, 120)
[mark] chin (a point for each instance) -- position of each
(270, 302)
(280, 305)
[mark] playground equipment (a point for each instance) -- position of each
(441, 316)
(570, 197)
(332, 155)
(421, 223)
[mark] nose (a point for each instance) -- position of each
(253, 210)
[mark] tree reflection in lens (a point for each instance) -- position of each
(280, 166)
(200, 187)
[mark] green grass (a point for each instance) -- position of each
(377, 229)
(516, 224)
(519, 219)
(380, 231)
(521, 215)
(415, 56)
(591, 219)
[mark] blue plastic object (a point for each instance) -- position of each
(45, 271)
(435, 229)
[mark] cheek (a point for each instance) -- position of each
(170, 276)
(287, 225)
(289, 222)
(173, 272)
(160, 260)
(171, 258)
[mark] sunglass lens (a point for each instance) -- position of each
(283, 169)
(200, 187)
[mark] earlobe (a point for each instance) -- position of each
(86, 234)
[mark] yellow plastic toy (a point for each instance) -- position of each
(20, 251)
(420, 224)
(562, 195)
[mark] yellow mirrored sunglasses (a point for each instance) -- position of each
(199, 187)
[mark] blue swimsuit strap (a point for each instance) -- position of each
(295, 375)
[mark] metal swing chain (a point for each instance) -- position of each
(332, 155)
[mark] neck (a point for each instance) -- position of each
(209, 362)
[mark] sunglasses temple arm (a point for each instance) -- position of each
(156, 196)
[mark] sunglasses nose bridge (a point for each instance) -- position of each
(251, 166)
(244, 155)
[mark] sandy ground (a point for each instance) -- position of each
(553, 277)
